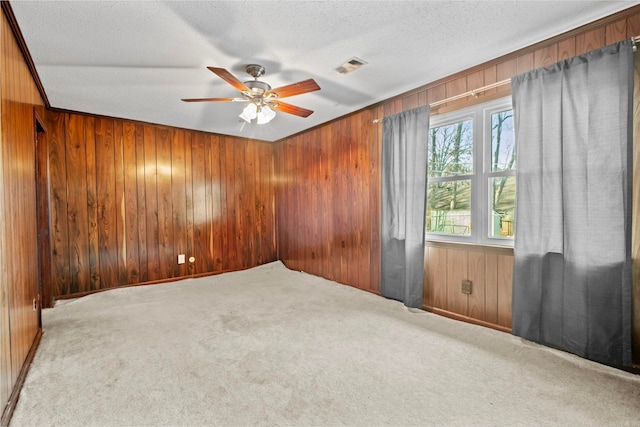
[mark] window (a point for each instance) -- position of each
(471, 175)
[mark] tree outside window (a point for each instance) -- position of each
(471, 175)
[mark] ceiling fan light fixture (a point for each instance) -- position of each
(249, 113)
(265, 115)
(260, 96)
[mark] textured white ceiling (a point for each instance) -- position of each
(136, 60)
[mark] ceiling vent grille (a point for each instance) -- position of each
(351, 65)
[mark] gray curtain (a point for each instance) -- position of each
(404, 175)
(572, 265)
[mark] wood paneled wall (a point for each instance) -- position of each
(304, 195)
(328, 201)
(19, 322)
(490, 273)
(126, 198)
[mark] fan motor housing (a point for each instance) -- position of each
(257, 87)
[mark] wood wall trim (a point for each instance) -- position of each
(15, 393)
(467, 319)
(13, 24)
(150, 282)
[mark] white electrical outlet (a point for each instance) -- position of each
(181, 259)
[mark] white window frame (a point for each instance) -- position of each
(481, 178)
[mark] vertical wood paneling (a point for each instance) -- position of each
(524, 63)
(457, 302)
(374, 148)
(151, 211)
(137, 195)
(165, 205)
(489, 273)
(216, 229)
(6, 381)
(437, 274)
(545, 56)
(188, 182)
(364, 271)
(490, 75)
(19, 321)
(240, 203)
(131, 202)
(326, 186)
(337, 200)
(179, 202)
(58, 206)
(590, 40)
(477, 274)
(434, 94)
(77, 214)
(228, 169)
(107, 204)
(506, 70)
(141, 205)
(313, 188)
(200, 219)
(119, 199)
(633, 25)
(475, 80)
(567, 48)
(92, 204)
(505, 269)
(616, 32)
(491, 289)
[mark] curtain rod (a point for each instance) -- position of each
(473, 92)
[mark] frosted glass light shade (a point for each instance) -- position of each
(249, 113)
(265, 115)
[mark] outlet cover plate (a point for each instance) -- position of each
(466, 287)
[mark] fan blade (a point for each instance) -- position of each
(290, 109)
(294, 89)
(229, 78)
(209, 99)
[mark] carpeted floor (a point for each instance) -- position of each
(269, 346)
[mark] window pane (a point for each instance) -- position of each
(503, 148)
(449, 207)
(451, 149)
(503, 203)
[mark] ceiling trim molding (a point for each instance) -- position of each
(13, 24)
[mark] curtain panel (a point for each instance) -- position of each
(572, 250)
(404, 176)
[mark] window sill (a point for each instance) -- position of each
(494, 249)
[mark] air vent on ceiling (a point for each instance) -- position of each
(351, 65)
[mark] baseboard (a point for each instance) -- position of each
(151, 282)
(17, 387)
(467, 319)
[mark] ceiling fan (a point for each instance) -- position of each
(261, 98)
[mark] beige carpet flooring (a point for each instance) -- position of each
(270, 346)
